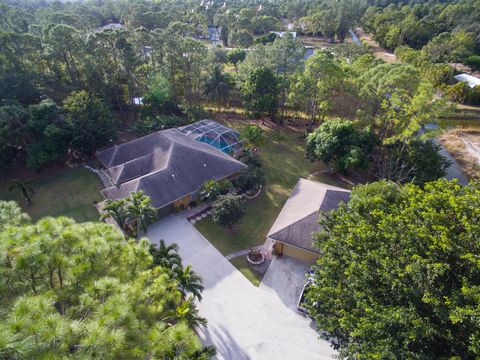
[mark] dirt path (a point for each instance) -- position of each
(376, 49)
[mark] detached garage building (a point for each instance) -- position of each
(169, 166)
(298, 219)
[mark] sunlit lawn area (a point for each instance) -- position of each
(244, 267)
(70, 193)
(284, 162)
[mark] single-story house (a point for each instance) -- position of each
(168, 165)
(298, 219)
(470, 80)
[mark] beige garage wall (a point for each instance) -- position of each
(299, 254)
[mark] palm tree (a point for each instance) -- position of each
(23, 188)
(189, 282)
(218, 86)
(253, 136)
(116, 210)
(141, 210)
(188, 312)
(166, 256)
(210, 190)
(207, 352)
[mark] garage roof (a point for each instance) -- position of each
(298, 218)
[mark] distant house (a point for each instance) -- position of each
(168, 165)
(470, 80)
(111, 26)
(282, 33)
(293, 228)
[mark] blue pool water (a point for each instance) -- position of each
(219, 144)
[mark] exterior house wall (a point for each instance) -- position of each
(295, 252)
(164, 211)
(183, 202)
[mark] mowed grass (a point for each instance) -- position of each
(244, 267)
(70, 193)
(284, 163)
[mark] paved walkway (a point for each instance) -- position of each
(244, 322)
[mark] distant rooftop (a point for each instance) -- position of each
(470, 80)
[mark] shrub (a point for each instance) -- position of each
(161, 122)
(228, 209)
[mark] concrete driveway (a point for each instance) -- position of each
(285, 278)
(244, 322)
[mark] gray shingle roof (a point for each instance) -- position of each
(166, 165)
(298, 218)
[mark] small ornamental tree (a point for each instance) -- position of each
(399, 273)
(228, 210)
(260, 93)
(250, 178)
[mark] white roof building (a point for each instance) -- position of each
(470, 80)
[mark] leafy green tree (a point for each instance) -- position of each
(218, 86)
(474, 62)
(236, 56)
(140, 210)
(313, 88)
(11, 215)
(398, 276)
(90, 120)
(51, 134)
(250, 178)
(23, 188)
(260, 93)
(228, 210)
(240, 38)
(253, 136)
(417, 161)
(266, 39)
(340, 141)
(80, 290)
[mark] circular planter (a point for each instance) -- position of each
(255, 258)
(254, 195)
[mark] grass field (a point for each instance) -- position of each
(70, 193)
(244, 267)
(284, 162)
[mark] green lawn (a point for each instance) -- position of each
(244, 267)
(284, 162)
(70, 193)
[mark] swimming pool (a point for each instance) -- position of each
(218, 143)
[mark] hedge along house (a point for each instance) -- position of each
(298, 219)
(168, 165)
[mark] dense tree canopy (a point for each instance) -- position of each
(399, 273)
(80, 290)
(341, 142)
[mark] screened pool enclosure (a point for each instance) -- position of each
(214, 134)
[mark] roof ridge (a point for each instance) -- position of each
(293, 223)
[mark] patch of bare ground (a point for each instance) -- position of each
(374, 47)
(464, 145)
